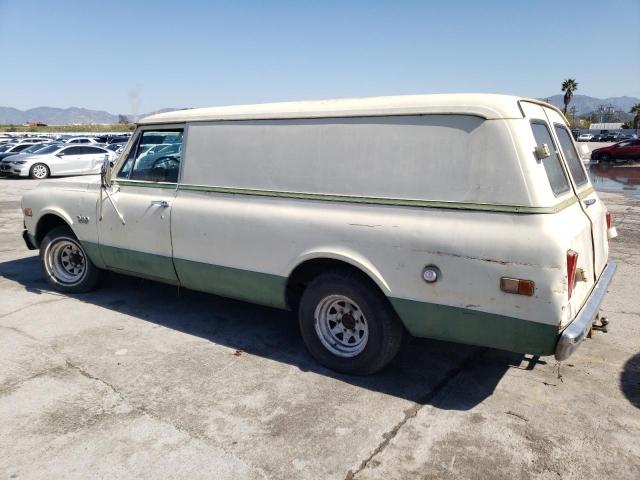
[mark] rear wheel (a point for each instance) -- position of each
(66, 264)
(39, 171)
(347, 325)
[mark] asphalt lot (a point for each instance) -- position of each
(140, 380)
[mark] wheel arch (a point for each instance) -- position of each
(311, 264)
(49, 220)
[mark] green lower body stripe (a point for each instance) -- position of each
(255, 287)
(421, 319)
(476, 328)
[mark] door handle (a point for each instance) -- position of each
(160, 203)
(589, 202)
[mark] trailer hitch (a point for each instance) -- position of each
(601, 327)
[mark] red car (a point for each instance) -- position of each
(625, 151)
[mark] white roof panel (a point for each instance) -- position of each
(489, 106)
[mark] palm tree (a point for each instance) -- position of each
(636, 119)
(568, 87)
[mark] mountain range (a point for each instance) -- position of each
(61, 116)
(585, 104)
(74, 115)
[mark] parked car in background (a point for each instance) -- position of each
(611, 137)
(12, 149)
(5, 160)
(623, 151)
(32, 140)
(585, 137)
(118, 139)
(598, 138)
(82, 140)
(5, 146)
(55, 160)
(115, 147)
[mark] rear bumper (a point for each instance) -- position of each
(576, 332)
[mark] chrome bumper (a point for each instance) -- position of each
(576, 332)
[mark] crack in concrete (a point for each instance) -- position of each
(412, 411)
(4, 315)
(144, 411)
(88, 375)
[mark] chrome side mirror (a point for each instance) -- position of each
(542, 151)
(105, 172)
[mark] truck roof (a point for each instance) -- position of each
(488, 106)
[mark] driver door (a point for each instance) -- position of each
(68, 161)
(134, 225)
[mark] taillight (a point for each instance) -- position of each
(572, 264)
(609, 219)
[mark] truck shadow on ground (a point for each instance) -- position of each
(630, 380)
(420, 373)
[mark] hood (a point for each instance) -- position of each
(30, 156)
(4, 155)
(82, 182)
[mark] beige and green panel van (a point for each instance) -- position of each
(468, 218)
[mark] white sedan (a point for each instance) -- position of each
(58, 160)
(585, 137)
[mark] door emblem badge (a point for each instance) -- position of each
(82, 219)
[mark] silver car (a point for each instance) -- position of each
(55, 160)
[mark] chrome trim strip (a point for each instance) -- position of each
(576, 332)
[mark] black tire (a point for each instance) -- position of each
(34, 172)
(384, 328)
(605, 157)
(50, 260)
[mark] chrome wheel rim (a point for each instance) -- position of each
(39, 171)
(341, 326)
(65, 261)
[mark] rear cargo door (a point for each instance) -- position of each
(589, 201)
(574, 225)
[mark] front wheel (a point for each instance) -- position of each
(605, 157)
(39, 171)
(66, 264)
(348, 325)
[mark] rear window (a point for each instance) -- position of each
(552, 164)
(571, 155)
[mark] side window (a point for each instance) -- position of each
(552, 164)
(73, 151)
(147, 162)
(571, 155)
(92, 150)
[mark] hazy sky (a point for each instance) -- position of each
(146, 55)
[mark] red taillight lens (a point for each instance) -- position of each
(572, 264)
(609, 219)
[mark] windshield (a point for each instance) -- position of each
(34, 148)
(48, 149)
(5, 147)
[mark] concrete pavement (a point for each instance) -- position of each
(142, 380)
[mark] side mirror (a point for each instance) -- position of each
(60, 155)
(542, 151)
(105, 171)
